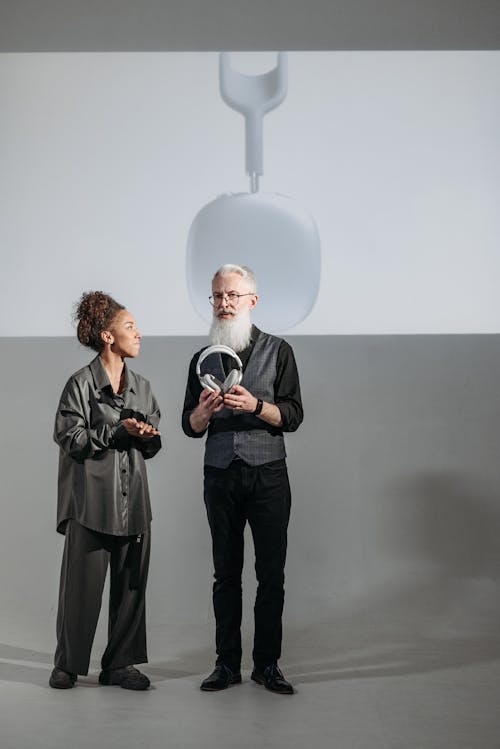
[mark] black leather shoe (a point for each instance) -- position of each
(220, 678)
(60, 679)
(272, 678)
(127, 677)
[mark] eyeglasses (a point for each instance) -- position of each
(233, 298)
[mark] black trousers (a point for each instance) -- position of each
(86, 557)
(261, 495)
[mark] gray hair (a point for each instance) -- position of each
(242, 270)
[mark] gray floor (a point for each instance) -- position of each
(368, 681)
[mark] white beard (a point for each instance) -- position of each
(235, 332)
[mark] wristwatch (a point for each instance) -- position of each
(258, 408)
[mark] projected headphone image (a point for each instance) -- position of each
(272, 232)
(210, 381)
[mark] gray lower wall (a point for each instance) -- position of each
(396, 493)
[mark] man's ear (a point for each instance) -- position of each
(254, 300)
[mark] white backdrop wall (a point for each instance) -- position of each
(107, 157)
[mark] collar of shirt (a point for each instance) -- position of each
(101, 378)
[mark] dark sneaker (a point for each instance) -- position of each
(127, 677)
(220, 678)
(60, 679)
(272, 678)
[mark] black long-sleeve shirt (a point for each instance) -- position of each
(286, 387)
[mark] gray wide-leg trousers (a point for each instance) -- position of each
(87, 555)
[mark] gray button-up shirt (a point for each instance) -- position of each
(102, 475)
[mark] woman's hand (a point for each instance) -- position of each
(136, 428)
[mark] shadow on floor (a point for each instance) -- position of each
(448, 620)
(354, 647)
(33, 667)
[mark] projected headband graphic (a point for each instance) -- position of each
(268, 232)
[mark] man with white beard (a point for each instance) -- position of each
(245, 474)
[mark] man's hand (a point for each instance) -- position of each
(240, 399)
(140, 429)
(208, 404)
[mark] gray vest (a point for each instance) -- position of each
(233, 434)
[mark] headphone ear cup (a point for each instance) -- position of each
(211, 382)
(233, 378)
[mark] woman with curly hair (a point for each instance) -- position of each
(106, 427)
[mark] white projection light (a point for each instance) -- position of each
(268, 232)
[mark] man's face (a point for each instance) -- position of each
(226, 304)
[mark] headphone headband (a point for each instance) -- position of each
(210, 381)
(217, 349)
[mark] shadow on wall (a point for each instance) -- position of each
(452, 521)
(445, 616)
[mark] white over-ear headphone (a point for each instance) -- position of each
(211, 382)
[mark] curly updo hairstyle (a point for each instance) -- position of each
(94, 312)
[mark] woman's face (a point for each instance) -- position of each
(126, 339)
